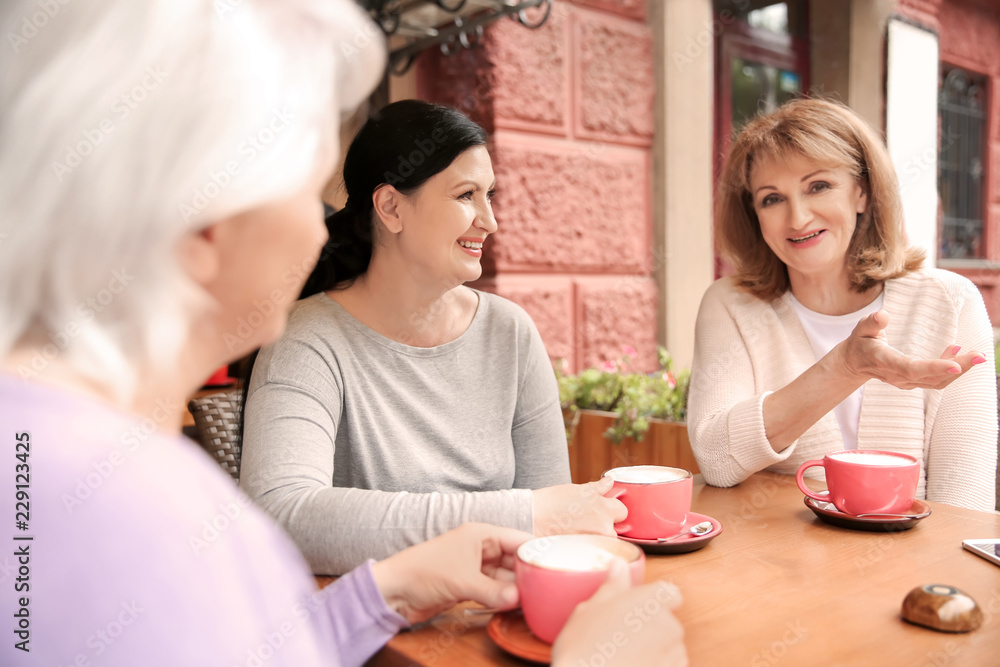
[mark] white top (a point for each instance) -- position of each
(746, 348)
(824, 333)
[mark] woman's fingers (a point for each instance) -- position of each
(951, 351)
(873, 325)
(905, 372)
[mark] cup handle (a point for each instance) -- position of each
(619, 527)
(802, 486)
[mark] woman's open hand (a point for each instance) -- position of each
(866, 354)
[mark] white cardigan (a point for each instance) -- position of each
(746, 348)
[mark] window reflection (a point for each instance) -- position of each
(759, 88)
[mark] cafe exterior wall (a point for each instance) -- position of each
(569, 109)
(969, 38)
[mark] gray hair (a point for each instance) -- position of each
(124, 124)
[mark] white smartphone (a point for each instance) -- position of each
(988, 549)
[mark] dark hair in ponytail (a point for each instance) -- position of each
(403, 145)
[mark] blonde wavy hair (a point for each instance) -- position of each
(830, 134)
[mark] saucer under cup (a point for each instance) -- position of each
(866, 481)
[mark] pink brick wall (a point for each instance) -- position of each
(570, 112)
(969, 33)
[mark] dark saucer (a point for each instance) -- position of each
(509, 631)
(684, 544)
(831, 515)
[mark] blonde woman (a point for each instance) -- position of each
(830, 335)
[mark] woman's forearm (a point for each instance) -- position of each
(792, 410)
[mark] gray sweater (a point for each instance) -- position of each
(361, 446)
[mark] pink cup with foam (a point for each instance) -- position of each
(658, 499)
(555, 574)
(866, 481)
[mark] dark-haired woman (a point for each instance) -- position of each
(830, 336)
(400, 403)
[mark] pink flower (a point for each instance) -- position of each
(629, 351)
(671, 380)
(608, 367)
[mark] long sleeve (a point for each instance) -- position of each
(361, 446)
(962, 450)
(354, 613)
(538, 431)
(725, 404)
(746, 348)
(288, 466)
(171, 564)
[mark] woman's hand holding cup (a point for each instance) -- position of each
(472, 562)
(577, 508)
(658, 499)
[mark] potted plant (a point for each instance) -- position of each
(616, 416)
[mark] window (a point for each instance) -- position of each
(762, 61)
(961, 170)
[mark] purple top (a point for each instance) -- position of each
(137, 549)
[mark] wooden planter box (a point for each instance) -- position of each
(590, 453)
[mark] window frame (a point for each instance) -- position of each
(988, 259)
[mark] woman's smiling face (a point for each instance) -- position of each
(449, 218)
(807, 212)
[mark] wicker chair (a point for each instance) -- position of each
(217, 421)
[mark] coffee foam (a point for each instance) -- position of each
(570, 556)
(646, 474)
(872, 459)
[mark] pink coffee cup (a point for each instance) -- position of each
(554, 574)
(866, 481)
(658, 499)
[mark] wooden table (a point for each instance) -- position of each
(780, 587)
